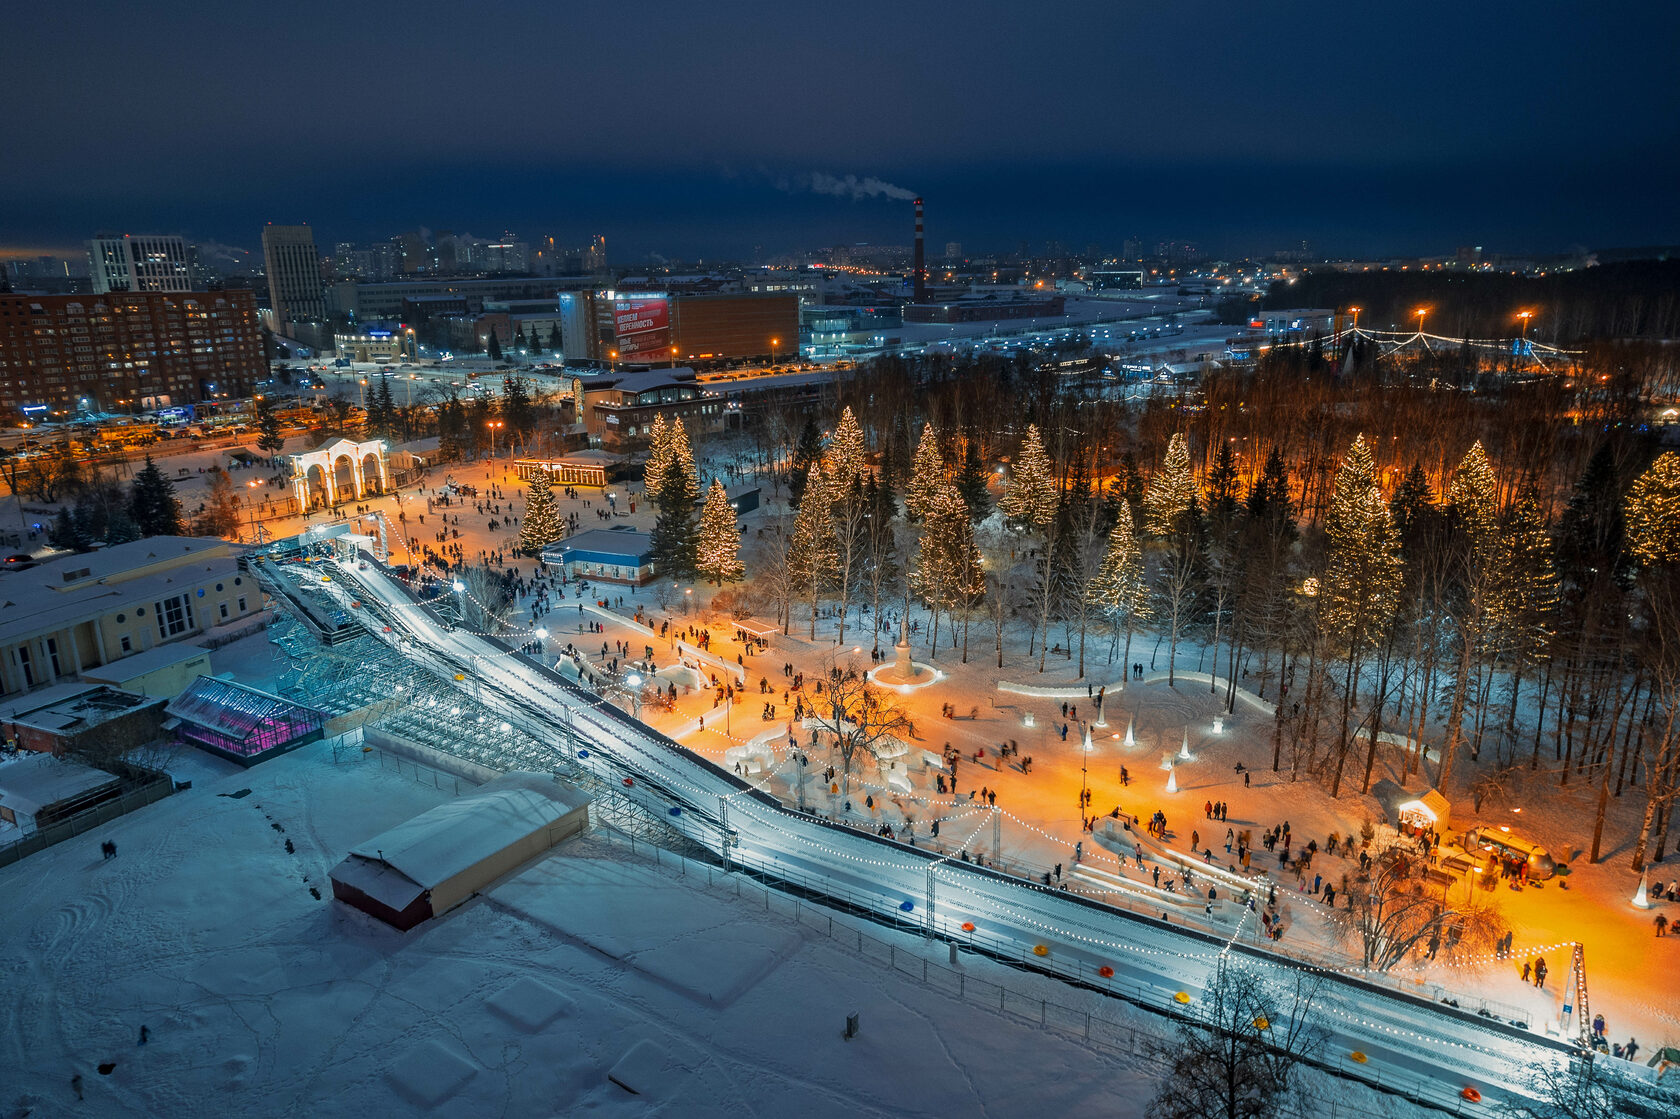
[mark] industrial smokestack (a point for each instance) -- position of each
(920, 282)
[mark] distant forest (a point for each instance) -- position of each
(1631, 299)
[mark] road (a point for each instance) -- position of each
(1425, 1051)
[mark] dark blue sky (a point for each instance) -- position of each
(699, 128)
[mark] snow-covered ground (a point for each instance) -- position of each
(702, 992)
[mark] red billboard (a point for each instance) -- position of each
(642, 325)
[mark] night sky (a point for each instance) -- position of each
(705, 129)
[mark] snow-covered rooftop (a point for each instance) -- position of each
(30, 784)
(438, 844)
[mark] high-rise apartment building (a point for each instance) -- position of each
(146, 262)
(127, 351)
(294, 274)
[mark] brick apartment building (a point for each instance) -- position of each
(127, 351)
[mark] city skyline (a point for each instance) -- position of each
(1364, 135)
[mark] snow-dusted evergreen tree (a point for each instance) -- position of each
(948, 572)
(659, 456)
(1031, 496)
(810, 560)
(845, 452)
(717, 549)
(542, 524)
(1171, 490)
(927, 470)
(1120, 589)
(1474, 512)
(971, 483)
(1360, 592)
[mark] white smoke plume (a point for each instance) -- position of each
(855, 188)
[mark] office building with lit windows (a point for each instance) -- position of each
(295, 293)
(139, 263)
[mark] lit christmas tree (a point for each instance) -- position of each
(927, 469)
(718, 547)
(684, 458)
(542, 524)
(810, 557)
(948, 572)
(1120, 589)
(1653, 513)
(1472, 497)
(659, 455)
(845, 451)
(1031, 497)
(1171, 490)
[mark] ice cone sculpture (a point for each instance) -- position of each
(1184, 750)
(1131, 739)
(1087, 738)
(1641, 900)
(1172, 781)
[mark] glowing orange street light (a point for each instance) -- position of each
(1420, 312)
(1525, 316)
(493, 425)
(773, 344)
(1356, 311)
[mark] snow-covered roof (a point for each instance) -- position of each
(435, 846)
(30, 784)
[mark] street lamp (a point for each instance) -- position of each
(361, 392)
(1525, 316)
(634, 680)
(1420, 313)
(612, 360)
(1355, 311)
(673, 357)
(493, 425)
(774, 342)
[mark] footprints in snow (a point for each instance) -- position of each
(291, 849)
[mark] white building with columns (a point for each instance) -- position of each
(339, 471)
(84, 611)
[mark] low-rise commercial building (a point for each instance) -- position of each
(610, 555)
(89, 719)
(619, 407)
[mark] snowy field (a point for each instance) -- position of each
(592, 965)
